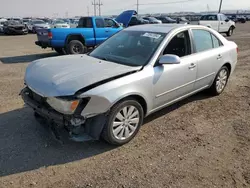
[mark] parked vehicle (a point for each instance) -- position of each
(14, 28)
(152, 20)
(26, 21)
(90, 32)
(182, 20)
(130, 18)
(134, 73)
(60, 24)
(218, 22)
(34, 25)
(166, 19)
(2, 21)
(241, 19)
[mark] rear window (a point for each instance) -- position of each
(209, 18)
(85, 23)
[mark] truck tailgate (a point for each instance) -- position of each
(42, 35)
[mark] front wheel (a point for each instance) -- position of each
(220, 81)
(230, 31)
(76, 47)
(124, 122)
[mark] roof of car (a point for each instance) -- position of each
(160, 28)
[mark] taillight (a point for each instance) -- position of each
(237, 49)
(50, 35)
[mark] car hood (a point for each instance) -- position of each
(64, 76)
(41, 25)
(125, 17)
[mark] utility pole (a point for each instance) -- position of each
(220, 6)
(99, 4)
(93, 3)
(137, 7)
(88, 10)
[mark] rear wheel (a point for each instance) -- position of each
(124, 122)
(220, 81)
(76, 47)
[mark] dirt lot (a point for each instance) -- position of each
(200, 142)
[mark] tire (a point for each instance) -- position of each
(76, 47)
(230, 31)
(60, 51)
(120, 138)
(214, 89)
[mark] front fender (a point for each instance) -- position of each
(103, 97)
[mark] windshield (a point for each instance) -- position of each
(38, 22)
(59, 22)
(132, 48)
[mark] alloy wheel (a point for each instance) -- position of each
(125, 122)
(221, 80)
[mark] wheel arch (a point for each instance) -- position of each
(76, 36)
(140, 99)
(228, 65)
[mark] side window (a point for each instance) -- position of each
(216, 42)
(222, 18)
(85, 23)
(179, 45)
(110, 23)
(133, 21)
(99, 23)
(202, 40)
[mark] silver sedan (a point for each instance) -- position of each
(138, 71)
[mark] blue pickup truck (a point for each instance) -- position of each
(91, 31)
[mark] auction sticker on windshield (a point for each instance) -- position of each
(152, 35)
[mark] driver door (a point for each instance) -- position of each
(174, 81)
(111, 27)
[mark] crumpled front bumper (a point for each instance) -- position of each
(49, 114)
(89, 129)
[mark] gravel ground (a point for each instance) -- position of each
(200, 142)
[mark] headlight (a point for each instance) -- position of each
(63, 106)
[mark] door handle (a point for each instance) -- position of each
(219, 57)
(107, 31)
(192, 65)
(221, 23)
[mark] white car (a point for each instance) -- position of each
(218, 22)
(60, 24)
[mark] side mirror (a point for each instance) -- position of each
(121, 24)
(227, 20)
(169, 59)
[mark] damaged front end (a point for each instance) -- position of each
(66, 113)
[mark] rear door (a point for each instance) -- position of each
(209, 53)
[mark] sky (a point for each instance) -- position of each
(62, 8)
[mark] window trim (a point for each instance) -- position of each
(170, 39)
(195, 50)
